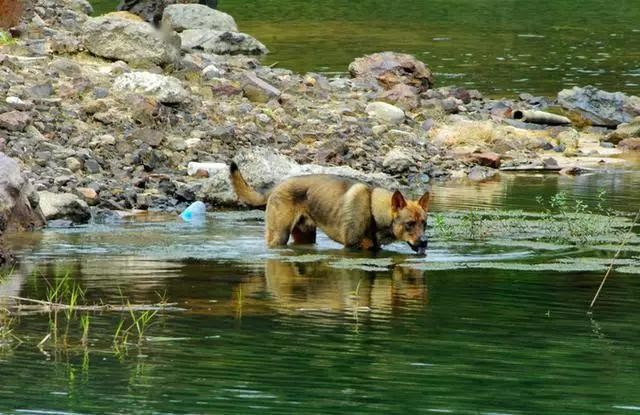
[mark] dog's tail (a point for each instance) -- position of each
(246, 193)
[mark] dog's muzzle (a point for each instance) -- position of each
(420, 247)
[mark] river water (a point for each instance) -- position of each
(487, 327)
(500, 47)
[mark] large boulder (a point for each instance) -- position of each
(221, 42)
(263, 168)
(181, 17)
(65, 206)
(149, 10)
(390, 68)
(19, 202)
(165, 89)
(122, 36)
(600, 107)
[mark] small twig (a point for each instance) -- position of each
(273, 65)
(613, 260)
(50, 306)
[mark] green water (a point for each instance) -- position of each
(500, 47)
(320, 330)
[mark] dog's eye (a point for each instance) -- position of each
(409, 225)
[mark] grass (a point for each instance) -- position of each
(561, 222)
(6, 39)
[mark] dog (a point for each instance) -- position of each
(348, 211)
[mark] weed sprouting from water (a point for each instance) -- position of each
(562, 221)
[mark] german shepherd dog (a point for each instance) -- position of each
(349, 212)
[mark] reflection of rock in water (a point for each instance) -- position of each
(10, 285)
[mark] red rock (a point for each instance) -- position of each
(488, 159)
(390, 69)
(631, 144)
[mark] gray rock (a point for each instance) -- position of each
(600, 107)
(14, 120)
(221, 42)
(181, 17)
(73, 164)
(19, 202)
(263, 168)
(165, 89)
(625, 130)
(389, 69)
(385, 112)
(211, 72)
(397, 161)
(19, 104)
(91, 166)
(258, 90)
(114, 37)
(480, 173)
(64, 206)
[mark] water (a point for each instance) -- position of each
(315, 330)
(500, 47)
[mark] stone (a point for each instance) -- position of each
(384, 112)
(487, 159)
(625, 130)
(19, 104)
(389, 69)
(221, 42)
(165, 89)
(181, 17)
(64, 206)
(258, 90)
(73, 164)
(151, 136)
(113, 36)
(177, 143)
(212, 168)
(19, 202)
(91, 166)
(89, 195)
(481, 173)
(631, 144)
(600, 107)
(211, 72)
(15, 120)
(401, 95)
(397, 161)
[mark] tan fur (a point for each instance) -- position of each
(349, 212)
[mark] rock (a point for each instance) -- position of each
(165, 89)
(487, 159)
(64, 206)
(88, 194)
(258, 90)
(264, 167)
(390, 69)
(80, 6)
(147, 10)
(550, 164)
(600, 107)
(18, 104)
(19, 202)
(631, 144)
(113, 37)
(385, 112)
(481, 173)
(151, 136)
(14, 120)
(403, 96)
(181, 17)
(73, 164)
(91, 166)
(397, 161)
(211, 72)
(211, 168)
(625, 130)
(221, 42)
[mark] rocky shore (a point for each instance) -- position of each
(111, 114)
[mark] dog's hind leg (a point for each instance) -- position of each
(280, 218)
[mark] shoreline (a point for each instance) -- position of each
(98, 120)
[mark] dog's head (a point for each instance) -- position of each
(410, 220)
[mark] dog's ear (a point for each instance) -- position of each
(397, 201)
(424, 201)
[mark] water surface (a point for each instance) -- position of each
(500, 47)
(475, 327)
